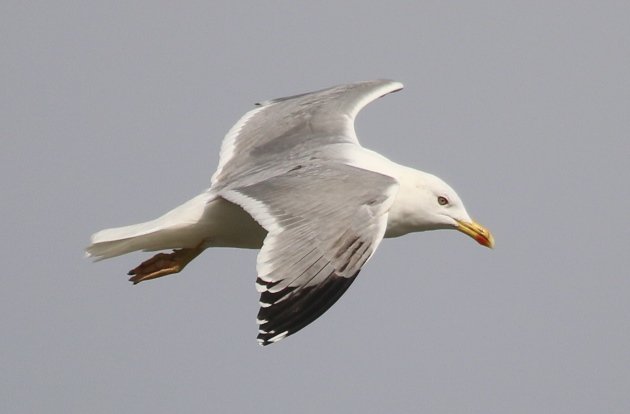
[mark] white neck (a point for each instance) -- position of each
(406, 214)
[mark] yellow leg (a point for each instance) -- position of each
(163, 264)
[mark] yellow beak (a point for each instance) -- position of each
(477, 232)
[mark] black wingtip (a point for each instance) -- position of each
(267, 338)
(287, 316)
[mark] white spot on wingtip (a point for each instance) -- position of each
(261, 321)
(279, 336)
(264, 305)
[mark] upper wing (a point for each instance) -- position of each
(324, 221)
(291, 128)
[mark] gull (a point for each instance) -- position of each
(294, 181)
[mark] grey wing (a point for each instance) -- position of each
(292, 128)
(324, 222)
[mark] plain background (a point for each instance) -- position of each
(113, 113)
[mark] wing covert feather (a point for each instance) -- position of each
(324, 221)
(292, 128)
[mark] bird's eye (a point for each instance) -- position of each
(442, 201)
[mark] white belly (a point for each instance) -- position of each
(228, 225)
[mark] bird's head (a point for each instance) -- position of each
(428, 203)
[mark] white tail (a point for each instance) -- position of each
(176, 229)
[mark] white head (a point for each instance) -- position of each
(425, 202)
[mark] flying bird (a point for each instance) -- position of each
(294, 181)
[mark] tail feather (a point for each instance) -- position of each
(178, 228)
(121, 240)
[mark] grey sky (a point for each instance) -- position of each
(113, 114)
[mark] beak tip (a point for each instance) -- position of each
(487, 242)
